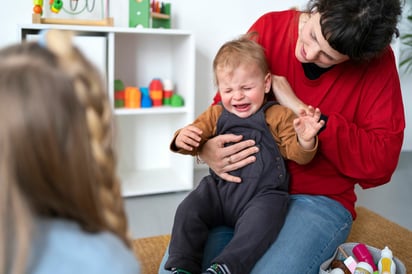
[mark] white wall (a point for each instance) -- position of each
(406, 81)
(212, 22)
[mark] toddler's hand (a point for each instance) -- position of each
(308, 124)
(188, 138)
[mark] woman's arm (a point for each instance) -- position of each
(285, 95)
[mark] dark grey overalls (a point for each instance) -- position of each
(255, 208)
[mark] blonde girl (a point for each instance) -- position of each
(60, 205)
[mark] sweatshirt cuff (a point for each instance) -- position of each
(325, 119)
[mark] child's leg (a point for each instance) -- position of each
(256, 229)
(194, 216)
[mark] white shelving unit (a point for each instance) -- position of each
(136, 56)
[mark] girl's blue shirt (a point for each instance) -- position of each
(61, 246)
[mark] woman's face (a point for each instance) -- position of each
(312, 47)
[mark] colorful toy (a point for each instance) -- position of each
(119, 99)
(139, 13)
(143, 14)
(132, 97)
(176, 100)
(38, 6)
(362, 254)
(144, 91)
(156, 92)
(161, 13)
(56, 5)
(167, 92)
(119, 94)
(146, 101)
(118, 85)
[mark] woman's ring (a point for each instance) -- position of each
(229, 160)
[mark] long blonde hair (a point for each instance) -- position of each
(56, 145)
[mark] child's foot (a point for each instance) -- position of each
(217, 269)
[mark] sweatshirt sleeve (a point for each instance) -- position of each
(207, 123)
(367, 146)
(280, 121)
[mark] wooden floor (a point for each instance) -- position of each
(153, 215)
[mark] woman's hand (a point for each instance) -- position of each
(285, 95)
(223, 159)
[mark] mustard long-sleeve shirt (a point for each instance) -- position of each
(279, 120)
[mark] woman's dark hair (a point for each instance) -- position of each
(361, 29)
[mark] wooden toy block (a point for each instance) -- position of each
(139, 13)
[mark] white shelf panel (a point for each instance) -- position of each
(145, 182)
(79, 28)
(150, 111)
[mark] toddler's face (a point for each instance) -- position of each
(243, 89)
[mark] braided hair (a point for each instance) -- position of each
(57, 158)
(90, 91)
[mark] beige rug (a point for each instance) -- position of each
(150, 252)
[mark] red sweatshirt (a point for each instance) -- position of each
(364, 133)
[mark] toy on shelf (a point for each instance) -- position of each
(139, 13)
(176, 101)
(158, 93)
(119, 94)
(56, 5)
(167, 92)
(161, 13)
(146, 101)
(132, 97)
(74, 15)
(38, 7)
(143, 14)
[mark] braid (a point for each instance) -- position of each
(16, 218)
(91, 93)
